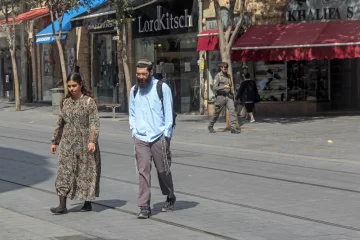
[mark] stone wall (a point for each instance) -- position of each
(262, 11)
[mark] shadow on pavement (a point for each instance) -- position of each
(23, 168)
(26, 106)
(292, 120)
(179, 205)
(100, 205)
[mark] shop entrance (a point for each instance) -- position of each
(344, 84)
(175, 62)
(105, 69)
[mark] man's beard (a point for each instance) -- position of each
(145, 83)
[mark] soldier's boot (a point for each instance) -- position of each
(211, 129)
(235, 131)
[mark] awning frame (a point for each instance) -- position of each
(111, 12)
(297, 46)
(51, 34)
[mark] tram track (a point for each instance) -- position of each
(218, 170)
(195, 195)
(196, 152)
(152, 218)
(266, 210)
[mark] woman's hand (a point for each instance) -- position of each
(91, 147)
(53, 148)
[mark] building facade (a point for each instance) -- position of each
(289, 86)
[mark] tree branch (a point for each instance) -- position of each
(230, 20)
(238, 24)
(219, 24)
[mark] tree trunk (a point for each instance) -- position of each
(62, 64)
(227, 58)
(32, 57)
(24, 57)
(39, 72)
(121, 87)
(16, 79)
(125, 61)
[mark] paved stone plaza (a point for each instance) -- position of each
(280, 179)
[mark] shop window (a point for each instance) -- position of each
(107, 90)
(176, 64)
(292, 81)
(270, 78)
(308, 80)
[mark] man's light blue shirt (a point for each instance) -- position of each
(146, 117)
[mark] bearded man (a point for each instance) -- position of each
(151, 125)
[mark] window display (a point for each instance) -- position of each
(107, 91)
(271, 81)
(308, 80)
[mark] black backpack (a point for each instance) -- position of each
(160, 94)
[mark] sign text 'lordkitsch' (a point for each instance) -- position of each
(165, 21)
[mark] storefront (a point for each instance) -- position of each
(307, 66)
(103, 50)
(165, 32)
(48, 64)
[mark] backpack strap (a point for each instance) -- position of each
(160, 93)
(135, 90)
(158, 90)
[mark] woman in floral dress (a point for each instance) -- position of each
(76, 133)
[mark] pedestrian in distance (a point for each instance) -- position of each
(151, 123)
(248, 95)
(224, 97)
(76, 134)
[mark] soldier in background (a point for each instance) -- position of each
(224, 97)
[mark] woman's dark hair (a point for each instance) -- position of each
(76, 77)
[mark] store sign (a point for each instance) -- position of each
(322, 10)
(165, 21)
(163, 18)
(95, 24)
(99, 26)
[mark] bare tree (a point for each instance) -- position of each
(10, 9)
(228, 32)
(123, 20)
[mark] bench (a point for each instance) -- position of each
(113, 106)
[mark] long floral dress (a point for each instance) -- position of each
(78, 175)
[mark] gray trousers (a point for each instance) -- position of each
(159, 151)
(221, 102)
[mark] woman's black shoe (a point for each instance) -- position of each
(61, 209)
(87, 207)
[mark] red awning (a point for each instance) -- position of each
(30, 15)
(208, 40)
(301, 41)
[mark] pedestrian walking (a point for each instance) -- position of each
(151, 123)
(248, 94)
(76, 134)
(224, 97)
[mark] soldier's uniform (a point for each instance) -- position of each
(224, 97)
